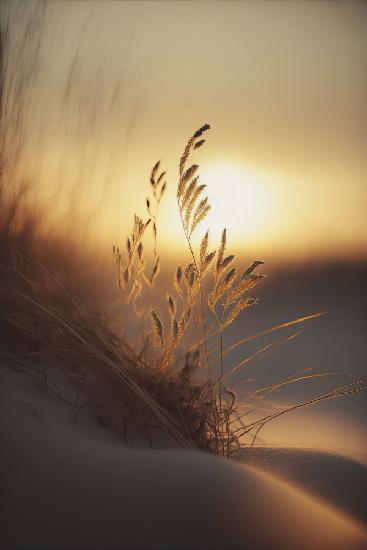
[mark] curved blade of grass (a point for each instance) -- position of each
(259, 353)
(342, 391)
(163, 416)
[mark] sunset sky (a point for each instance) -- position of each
(119, 85)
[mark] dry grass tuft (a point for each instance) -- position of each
(177, 382)
(221, 426)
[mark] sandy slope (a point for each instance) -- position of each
(73, 485)
(333, 478)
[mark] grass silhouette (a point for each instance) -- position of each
(208, 411)
(169, 383)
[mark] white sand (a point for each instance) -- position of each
(73, 485)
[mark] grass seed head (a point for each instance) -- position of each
(158, 327)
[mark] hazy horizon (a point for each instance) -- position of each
(116, 86)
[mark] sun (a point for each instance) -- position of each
(241, 201)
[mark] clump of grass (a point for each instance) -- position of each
(219, 417)
(45, 326)
(175, 383)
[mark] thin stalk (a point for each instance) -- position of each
(203, 318)
(221, 376)
(220, 323)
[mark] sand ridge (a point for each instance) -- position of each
(73, 485)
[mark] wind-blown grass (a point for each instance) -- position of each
(174, 383)
(137, 392)
(223, 299)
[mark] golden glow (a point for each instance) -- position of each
(241, 201)
(285, 162)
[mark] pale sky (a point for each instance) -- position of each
(121, 84)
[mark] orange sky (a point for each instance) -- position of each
(119, 85)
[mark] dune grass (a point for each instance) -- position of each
(170, 384)
(219, 416)
(177, 382)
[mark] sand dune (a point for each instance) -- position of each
(72, 485)
(335, 479)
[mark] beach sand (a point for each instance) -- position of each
(68, 485)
